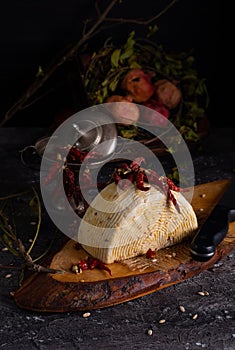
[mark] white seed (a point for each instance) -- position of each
(30, 240)
(150, 332)
(195, 316)
(154, 260)
(86, 314)
(205, 293)
(162, 321)
(201, 209)
(33, 223)
(8, 275)
(203, 195)
(75, 269)
(5, 249)
(182, 308)
(174, 254)
(201, 293)
(12, 294)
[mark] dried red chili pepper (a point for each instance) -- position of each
(69, 183)
(150, 254)
(139, 179)
(96, 263)
(74, 155)
(172, 186)
(83, 264)
(136, 163)
(54, 169)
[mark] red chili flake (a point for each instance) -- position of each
(150, 254)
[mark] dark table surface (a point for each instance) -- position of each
(126, 325)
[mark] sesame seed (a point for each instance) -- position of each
(5, 249)
(150, 332)
(195, 316)
(162, 321)
(86, 314)
(201, 293)
(8, 275)
(182, 308)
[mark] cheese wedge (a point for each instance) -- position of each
(122, 224)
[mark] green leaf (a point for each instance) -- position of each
(113, 84)
(127, 54)
(135, 65)
(115, 57)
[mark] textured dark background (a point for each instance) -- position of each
(34, 33)
(125, 326)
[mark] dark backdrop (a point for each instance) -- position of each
(34, 33)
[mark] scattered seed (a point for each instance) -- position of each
(33, 223)
(5, 249)
(86, 314)
(203, 195)
(162, 321)
(8, 275)
(205, 293)
(201, 209)
(195, 316)
(174, 254)
(82, 280)
(12, 294)
(168, 255)
(150, 332)
(154, 260)
(182, 308)
(75, 269)
(30, 240)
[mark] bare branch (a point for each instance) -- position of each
(21, 103)
(31, 265)
(142, 21)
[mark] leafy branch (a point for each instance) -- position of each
(87, 33)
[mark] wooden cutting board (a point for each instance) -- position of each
(95, 288)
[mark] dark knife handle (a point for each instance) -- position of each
(214, 230)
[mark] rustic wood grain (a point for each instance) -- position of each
(94, 289)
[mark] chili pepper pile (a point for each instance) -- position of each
(89, 264)
(72, 190)
(134, 174)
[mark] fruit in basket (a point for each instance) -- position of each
(167, 93)
(156, 114)
(138, 85)
(123, 110)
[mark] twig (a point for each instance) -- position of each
(38, 224)
(95, 28)
(31, 265)
(143, 21)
